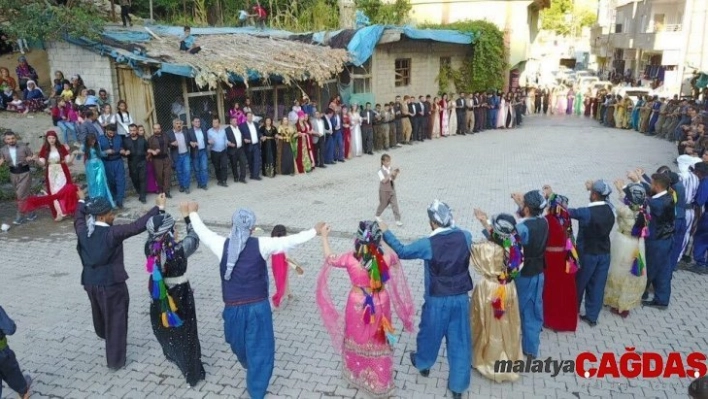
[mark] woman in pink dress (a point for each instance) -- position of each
(237, 113)
(150, 180)
(444, 116)
(365, 335)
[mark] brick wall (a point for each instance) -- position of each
(97, 71)
(425, 66)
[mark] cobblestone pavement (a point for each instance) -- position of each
(55, 340)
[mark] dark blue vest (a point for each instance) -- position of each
(594, 238)
(450, 264)
(249, 279)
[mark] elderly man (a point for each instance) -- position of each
(446, 256)
(18, 157)
(248, 322)
(533, 231)
(100, 247)
(595, 224)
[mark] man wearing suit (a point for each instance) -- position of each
(236, 152)
(427, 119)
(135, 149)
(413, 113)
(398, 122)
(179, 153)
(477, 108)
(338, 139)
(90, 125)
(252, 141)
(367, 129)
(319, 126)
(328, 152)
(460, 110)
(112, 149)
(198, 141)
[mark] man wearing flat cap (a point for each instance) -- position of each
(100, 247)
(595, 223)
(446, 256)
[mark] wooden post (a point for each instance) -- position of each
(113, 11)
(186, 100)
(220, 103)
(276, 117)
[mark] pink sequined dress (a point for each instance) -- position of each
(366, 351)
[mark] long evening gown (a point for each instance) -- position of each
(356, 143)
(269, 150)
(436, 122)
(578, 103)
(285, 158)
(624, 289)
(367, 356)
(493, 339)
(347, 135)
(501, 113)
(444, 118)
(150, 179)
(302, 149)
(571, 99)
(561, 103)
(61, 193)
(180, 345)
(96, 178)
(560, 305)
(452, 120)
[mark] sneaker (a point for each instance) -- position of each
(32, 216)
(399, 223)
(18, 221)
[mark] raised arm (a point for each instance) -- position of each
(125, 231)
(80, 215)
(212, 240)
(419, 249)
(190, 242)
(271, 245)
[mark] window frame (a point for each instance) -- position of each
(402, 74)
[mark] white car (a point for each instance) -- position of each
(634, 92)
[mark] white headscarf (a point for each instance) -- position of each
(243, 221)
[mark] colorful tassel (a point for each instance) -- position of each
(150, 265)
(171, 301)
(498, 302)
(638, 265)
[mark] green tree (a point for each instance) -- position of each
(487, 67)
(564, 18)
(395, 13)
(48, 19)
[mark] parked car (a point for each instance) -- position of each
(601, 85)
(634, 92)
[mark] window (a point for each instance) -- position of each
(361, 77)
(659, 21)
(403, 72)
(445, 62)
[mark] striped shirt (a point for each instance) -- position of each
(690, 184)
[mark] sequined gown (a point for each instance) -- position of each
(269, 150)
(367, 357)
(624, 290)
(493, 339)
(96, 178)
(180, 345)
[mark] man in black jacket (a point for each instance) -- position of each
(100, 247)
(198, 143)
(236, 151)
(135, 149)
(252, 140)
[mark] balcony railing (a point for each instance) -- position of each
(664, 28)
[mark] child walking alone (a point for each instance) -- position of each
(10, 371)
(387, 190)
(280, 263)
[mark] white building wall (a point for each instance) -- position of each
(97, 71)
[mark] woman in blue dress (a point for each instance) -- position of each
(655, 108)
(635, 113)
(95, 171)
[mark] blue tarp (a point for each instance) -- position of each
(179, 31)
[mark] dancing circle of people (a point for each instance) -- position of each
(533, 271)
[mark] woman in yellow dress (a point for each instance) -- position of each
(494, 314)
(620, 112)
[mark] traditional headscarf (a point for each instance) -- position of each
(602, 187)
(440, 213)
(160, 225)
(22, 59)
(368, 233)
(503, 225)
(535, 200)
(301, 114)
(96, 207)
(504, 234)
(243, 221)
(635, 194)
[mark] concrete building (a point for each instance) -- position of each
(519, 19)
(661, 42)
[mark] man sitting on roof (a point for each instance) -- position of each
(188, 42)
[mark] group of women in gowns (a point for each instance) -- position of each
(444, 117)
(294, 148)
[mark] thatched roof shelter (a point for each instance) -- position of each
(244, 55)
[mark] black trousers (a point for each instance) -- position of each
(238, 162)
(11, 373)
(220, 162)
(399, 132)
(109, 308)
(367, 137)
(319, 149)
(138, 175)
(461, 121)
(125, 15)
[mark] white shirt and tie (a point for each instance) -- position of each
(254, 132)
(237, 136)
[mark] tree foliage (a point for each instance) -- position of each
(48, 19)
(486, 68)
(393, 13)
(564, 18)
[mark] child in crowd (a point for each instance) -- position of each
(280, 263)
(387, 190)
(67, 94)
(10, 371)
(17, 104)
(188, 42)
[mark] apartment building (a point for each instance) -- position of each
(661, 42)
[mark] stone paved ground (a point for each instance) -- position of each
(55, 342)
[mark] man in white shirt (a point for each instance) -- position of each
(198, 142)
(248, 320)
(18, 158)
(318, 138)
(235, 152)
(179, 152)
(218, 145)
(252, 140)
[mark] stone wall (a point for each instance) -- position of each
(425, 66)
(97, 71)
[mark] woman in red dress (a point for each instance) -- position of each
(303, 157)
(346, 130)
(560, 305)
(61, 195)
